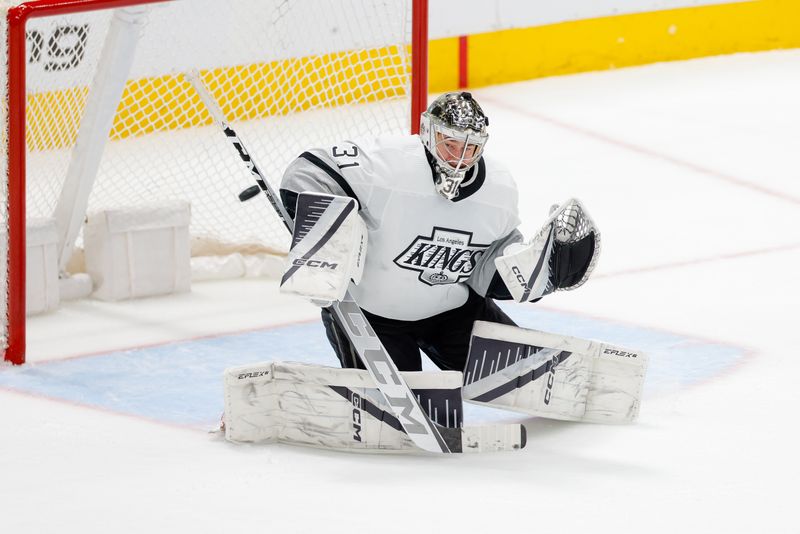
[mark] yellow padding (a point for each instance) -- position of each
(243, 92)
(621, 41)
(443, 64)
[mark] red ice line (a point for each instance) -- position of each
(719, 257)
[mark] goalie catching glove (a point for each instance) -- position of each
(561, 256)
(329, 242)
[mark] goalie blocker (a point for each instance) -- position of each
(329, 242)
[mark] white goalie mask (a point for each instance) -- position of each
(453, 129)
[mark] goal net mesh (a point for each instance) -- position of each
(288, 75)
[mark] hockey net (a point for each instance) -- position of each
(104, 97)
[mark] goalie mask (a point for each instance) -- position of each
(453, 130)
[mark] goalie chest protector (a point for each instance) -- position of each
(422, 247)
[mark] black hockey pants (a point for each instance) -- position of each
(444, 338)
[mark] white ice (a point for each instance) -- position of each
(691, 171)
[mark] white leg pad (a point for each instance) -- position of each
(553, 376)
(282, 402)
(313, 405)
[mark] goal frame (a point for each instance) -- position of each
(17, 18)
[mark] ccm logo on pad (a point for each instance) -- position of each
(356, 417)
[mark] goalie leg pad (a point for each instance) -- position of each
(343, 409)
(553, 376)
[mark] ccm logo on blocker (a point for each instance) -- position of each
(299, 262)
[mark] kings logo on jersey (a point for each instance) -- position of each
(445, 257)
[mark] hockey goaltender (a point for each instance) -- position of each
(405, 243)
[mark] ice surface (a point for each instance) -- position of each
(691, 171)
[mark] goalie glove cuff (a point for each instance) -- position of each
(525, 268)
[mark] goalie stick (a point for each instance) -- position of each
(426, 434)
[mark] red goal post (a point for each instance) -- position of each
(311, 74)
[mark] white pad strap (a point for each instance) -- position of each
(343, 409)
(553, 376)
(328, 247)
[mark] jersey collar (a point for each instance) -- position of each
(474, 180)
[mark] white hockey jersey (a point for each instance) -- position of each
(423, 249)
